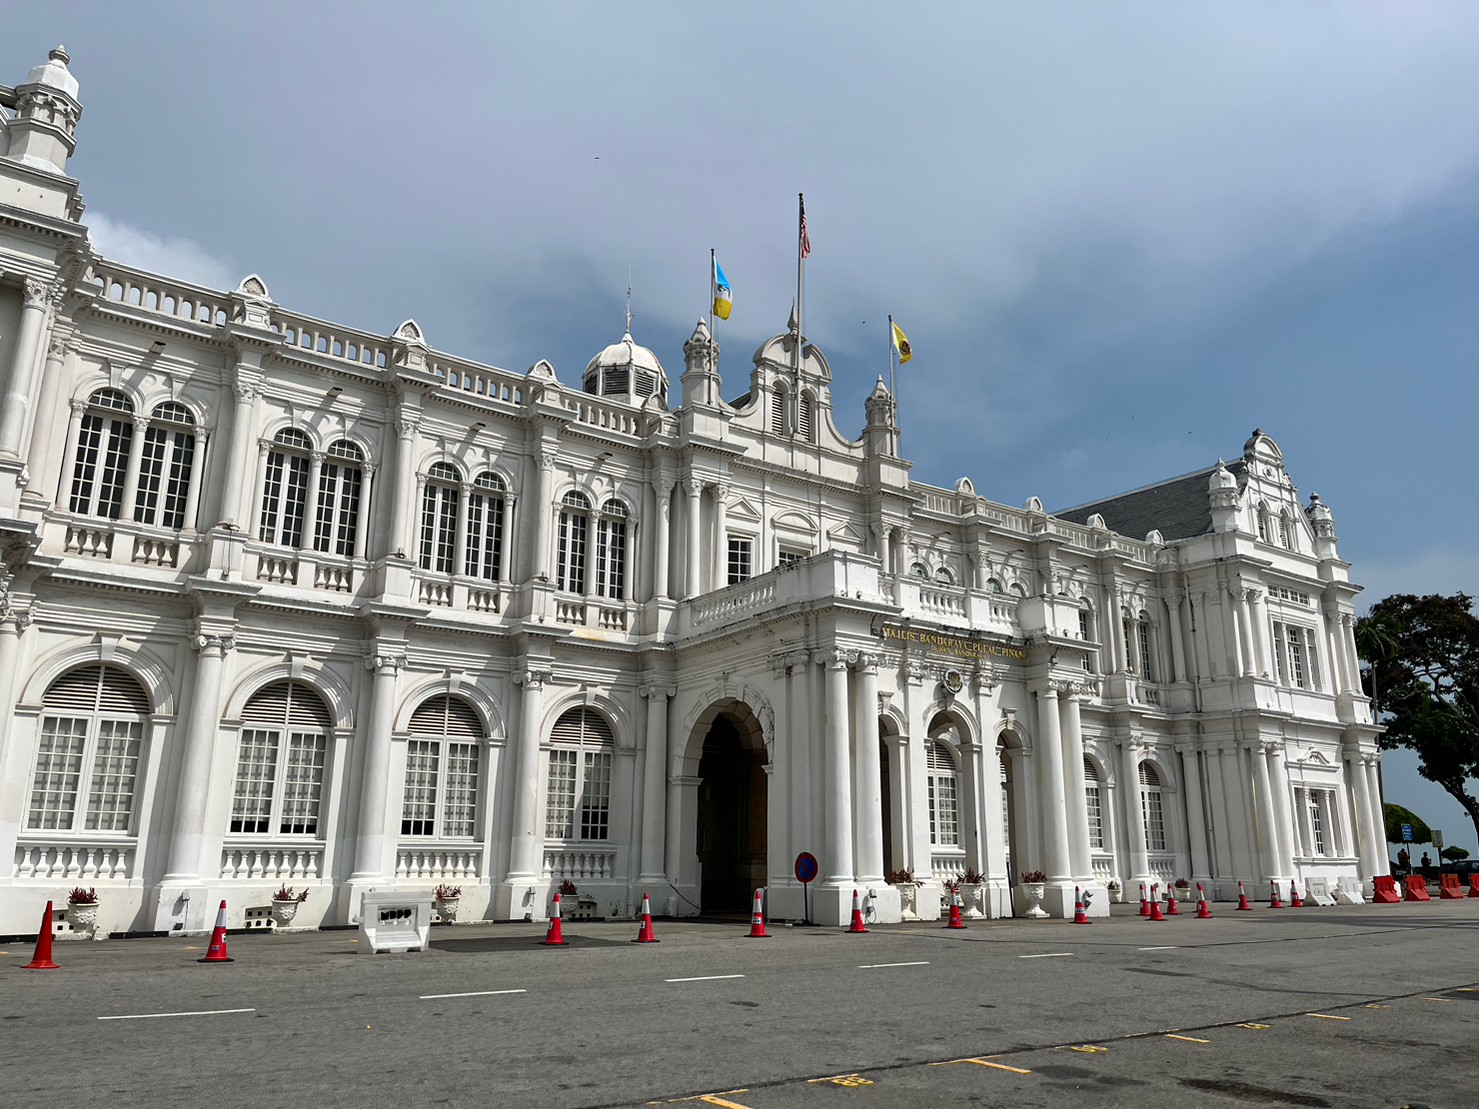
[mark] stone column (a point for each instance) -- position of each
(526, 845)
(1375, 821)
(1196, 820)
(257, 482)
(44, 426)
(1139, 853)
(69, 460)
(13, 623)
(366, 512)
(1303, 824)
(1119, 649)
(200, 729)
(1258, 605)
(235, 481)
(398, 535)
(373, 837)
(1178, 641)
(1347, 652)
(310, 503)
(1080, 852)
(131, 474)
(1240, 621)
(16, 407)
(1283, 805)
(1267, 815)
(1054, 813)
(693, 489)
(1257, 664)
(662, 537)
(654, 783)
(459, 536)
(197, 480)
(721, 536)
(867, 776)
(837, 792)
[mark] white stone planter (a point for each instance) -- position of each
(1116, 896)
(283, 912)
(1035, 892)
(82, 917)
(447, 909)
(973, 900)
(908, 901)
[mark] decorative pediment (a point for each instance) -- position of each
(741, 509)
(794, 521)
(411, 332)
(846, 533)
(253, 286)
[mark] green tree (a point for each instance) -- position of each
(1455, 853)
(1396, 816)
(1424, 652)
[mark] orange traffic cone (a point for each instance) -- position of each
(1204, 911)
(857, 914)
(1144, 904)
(216, 952)
(955, 921)
(1155, 903)
(1171, 909)
(644, 933)
(555, 937)
(1274, 900)
(1295, 901)
(757, 921)
(1079, 916)
(41, 957)
(1243, 906)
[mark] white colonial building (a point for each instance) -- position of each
(285, 602)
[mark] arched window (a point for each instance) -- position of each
(285, 489)
(919, 570)
(944, 576)
(611, 551)
(573, 542)
(485, 510)
(944, 791)
(1150, 802)
(993, 585)
(340, 482)
(1018, 589)
(1142, 639)
(806, 416)
(778, 420)
(578, 799)
(280, 762)
(1262, 514)
(100, 465)
(87, 752)
(168, 458)
(439, 505)
(1286, 531)
(1093, 801)
(441, 797)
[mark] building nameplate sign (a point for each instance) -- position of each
(955, 646)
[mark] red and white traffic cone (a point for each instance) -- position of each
(1079, 916)
(1274, 900)
(555, 937)
(1171, 909)
(644, 934)
(1155, 903)
(1144, 904)
(1243, 906)
(41, 957)
(1204, 911)
(757, 921)
(857, 914)
(216, 952)
(955, 921)
(1295, 901)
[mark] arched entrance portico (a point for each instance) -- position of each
(731, 812)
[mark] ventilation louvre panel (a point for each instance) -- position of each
(287, 703)
(98, 688)
(583, 727)
(449, 716)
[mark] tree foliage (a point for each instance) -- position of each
(1421, 670)
(1455, 853)
(1396, 816)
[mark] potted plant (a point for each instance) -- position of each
(1116, 894)
(447, 899)
(285, 905)
(82, 910)
(973, 893)
(908, 887)
(1183, 889)
(1034, 888)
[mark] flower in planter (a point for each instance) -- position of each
(80, 896)
(1182, 884)
(1033, 876)
(903, 877)
(1113, 886)
(972, 877)
(285, 893)
(568, 888)
(447, 893)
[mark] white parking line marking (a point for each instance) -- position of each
(475, 993)
(200, 1013)
(1326, 1016)
(1169, 947)
(1049, 955)
(880, 966)
(704, 978)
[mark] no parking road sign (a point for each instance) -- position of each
(806, 872)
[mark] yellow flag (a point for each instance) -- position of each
(901, 344)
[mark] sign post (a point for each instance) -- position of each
(806, 872)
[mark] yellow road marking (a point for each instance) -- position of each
(853, 1079)
(1374, 1006)
(1186, 1039)
(1326, 1016)
(1467, 989)
(1089, 1049)
(996, 1066)
(703, 1097)
(1443, 999)
(1255, 1027)
(715, 1099)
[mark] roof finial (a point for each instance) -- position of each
(629, 299)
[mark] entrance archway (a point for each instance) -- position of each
(732, 813)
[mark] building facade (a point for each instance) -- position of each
(285, 602)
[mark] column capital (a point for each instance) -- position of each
(663, 484)
(788, 661)
(36, 292)
(545, 457)
(836, 658)
(693, 486)
(209, 643)
(866, 663)
(246, 390)
(721, 490)
(915, 670)
(78, 405)
(654, 691)
(58, 346)
(534, 677)
(384, 661)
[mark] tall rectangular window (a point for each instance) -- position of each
(58, 773)
(1296, 657)
(256, 771)
(1155, 822)
(1280, 663)
(595, 796)
(1096, 817)
(115, 768)
(1317, 823)
(460, 811)
(559, 807)
(740, 559)
(302, 784)
(418, 810)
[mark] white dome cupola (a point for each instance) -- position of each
(628, 372)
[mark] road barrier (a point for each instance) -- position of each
(1384, 890)
(1449, 888)
(1417, 888)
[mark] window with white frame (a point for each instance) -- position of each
(85, 777)
(1295, 657)
(1317, 821)
(441, 504)
(741, 558)
(100, 466)
(1086, 633)
(778, 422)
(944, 576)
(993, 585)
(578, 794)
(611, 551)
(1286, 531)
(944, 792)
(165, 467)
(1142, 639)
(280, 762)
(572, 542)
(1151, 808)
(341, 479)
(1094, 802)
(485, 517)
(442, 760)
(285, 489)
(1262, 514)
(918, 570)
(789, 556)
(806, 418)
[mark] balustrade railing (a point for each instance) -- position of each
(440, 863)
(68, 862)
(948, 866)
(576, 863)
(89, 540)
(160, 295)
(270, 863)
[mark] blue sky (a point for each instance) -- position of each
(1119, 237)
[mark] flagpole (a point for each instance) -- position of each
(800, 277)
(713, 289)
(891, 387)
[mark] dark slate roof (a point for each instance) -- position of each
(1177, 507)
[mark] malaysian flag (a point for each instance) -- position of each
(805, 238)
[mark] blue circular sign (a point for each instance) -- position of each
(806, 867)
